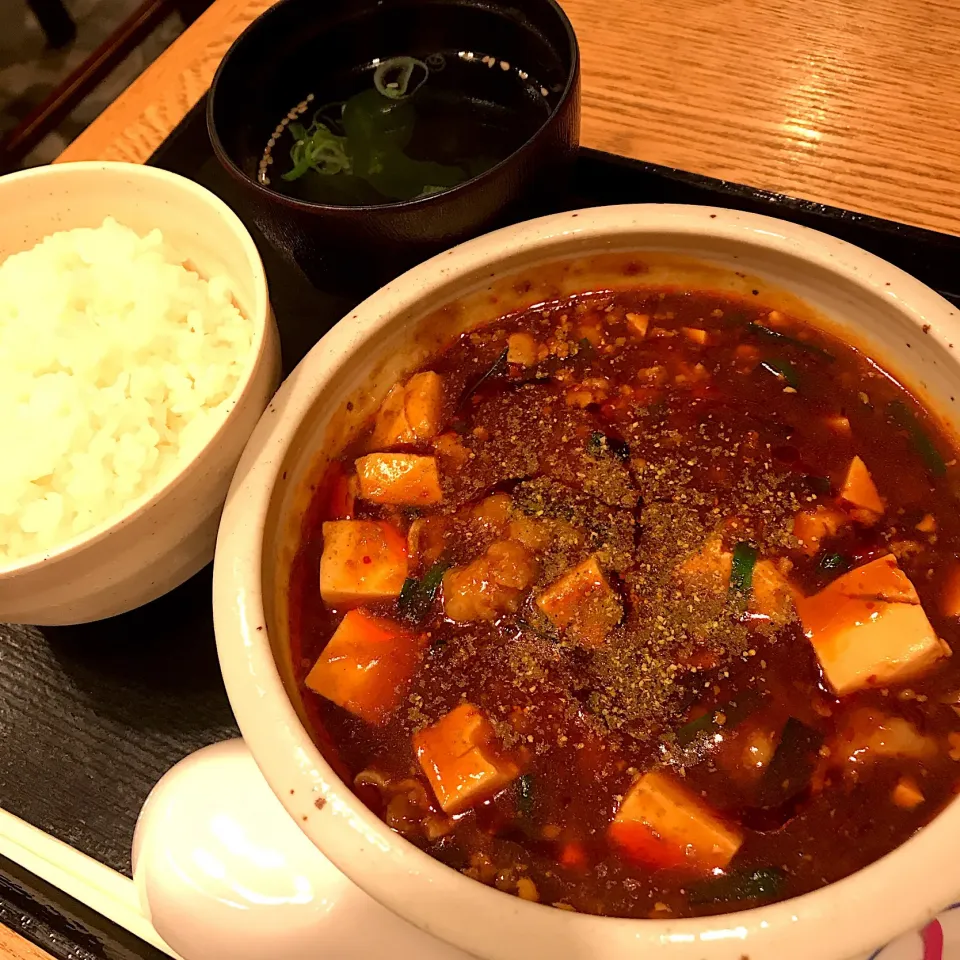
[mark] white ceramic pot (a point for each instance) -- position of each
(867, 299)
(167, 535)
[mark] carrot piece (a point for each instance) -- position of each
(399, 479)
(573, 855)
(664, 825)
(460, 758)
(859, 489)
(366, 664)
(363, 560)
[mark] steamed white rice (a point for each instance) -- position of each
(116, 364)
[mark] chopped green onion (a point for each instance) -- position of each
(734, 712)
(596, 444)
(762, 884)
(539, 626)
(821, 485)
(792, 765)
(599, 445)
(690, 731)
(317, 148)
(392, 77)
(409, 590)
(834, 563)
(741, 573)
(762, 331)
(417, 596)
(525, 794)
(904, 417)
(587, 350)
(783, 370)
(433, 578)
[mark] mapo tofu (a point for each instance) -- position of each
(640, 604)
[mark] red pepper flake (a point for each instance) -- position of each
(367, 560)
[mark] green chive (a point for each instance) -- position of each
(525, 794)
(761, 331)
(600, 444)
(734, 711)
(417, 596)
(835, 563)
(821, 485)
(783, 370)
(762, 884)
(741, 573)
(596, 444)
(904, 417)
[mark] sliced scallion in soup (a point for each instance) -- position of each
(640, 604)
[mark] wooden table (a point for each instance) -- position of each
(849, 102)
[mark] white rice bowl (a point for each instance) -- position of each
(117, 363)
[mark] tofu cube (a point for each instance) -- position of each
(366, 665)
(362, 561)
(411, 413)
(811, 527)
(859, 489)
(711, 563)
(460, 759)
(399, 479)
(451, 451)
(771, 594)
(869, 630)
(696, 335)
(663, 825)
(582, 603)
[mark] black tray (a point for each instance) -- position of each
(92, 716)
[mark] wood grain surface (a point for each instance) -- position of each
(14, 947)
(849, 102)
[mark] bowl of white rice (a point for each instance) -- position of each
(137, 352)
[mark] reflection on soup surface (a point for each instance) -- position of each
(640, 604)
